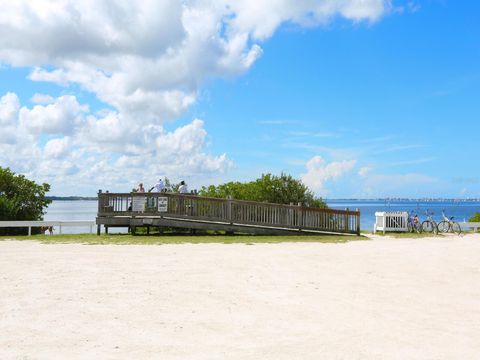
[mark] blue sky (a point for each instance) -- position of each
(382, 103)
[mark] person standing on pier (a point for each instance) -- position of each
(182, 189)
(159, 186)
(183, 205)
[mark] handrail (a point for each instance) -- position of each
(192, 196)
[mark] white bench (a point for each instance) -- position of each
(470, 225)
(391, 221)
(30, 224)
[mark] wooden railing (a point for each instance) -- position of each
(228, 211)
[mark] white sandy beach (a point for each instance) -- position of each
(380, 299)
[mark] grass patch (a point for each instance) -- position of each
(127, 239)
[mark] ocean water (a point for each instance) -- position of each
(72, 210)
(463, 210)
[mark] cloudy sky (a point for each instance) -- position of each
(359, 98)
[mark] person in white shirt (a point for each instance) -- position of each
(182, 189)
(159, 186)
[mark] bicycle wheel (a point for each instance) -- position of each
(427, 226)
(417, 227)
(409, 227)
(443, 226)
(456, 228)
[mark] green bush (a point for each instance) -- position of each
(20, 199)
(475, 218)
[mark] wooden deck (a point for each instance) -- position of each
(196, 212)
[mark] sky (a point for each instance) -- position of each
(357, 98)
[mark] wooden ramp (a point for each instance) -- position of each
(203, 213)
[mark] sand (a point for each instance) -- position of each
(380, 299)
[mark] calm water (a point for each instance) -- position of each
(87, 210)
(72, 210)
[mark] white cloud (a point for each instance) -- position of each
(104, 151)
(9, 106)
(60, 117)
(42, 99)
(319, 172)
(153, 55)
(261, 19)
(10, 134)
(363, 171)
(57, 148)
(147, 61)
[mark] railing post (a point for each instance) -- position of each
(300, 216)
(346, 226)
(358, 221)
(290, 216)
(99, 200)
(229, 209)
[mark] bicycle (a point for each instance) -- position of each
(429, 225)
(413, 224)
(448, 224)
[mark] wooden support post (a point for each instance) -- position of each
(106, 229)
(29, 231)
(99, 229)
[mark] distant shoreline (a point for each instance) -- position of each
(67, 198)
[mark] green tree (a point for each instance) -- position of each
(283, 189)
(20, 199)
(475, 218)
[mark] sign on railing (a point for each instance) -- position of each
(138, 203)
(162, 204)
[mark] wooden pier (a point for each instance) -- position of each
(232, 216)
